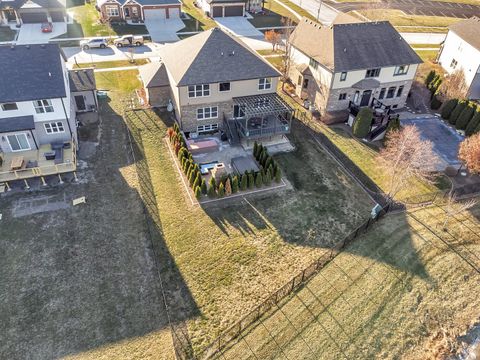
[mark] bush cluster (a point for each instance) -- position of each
(269, 169)
(363, 123)
(433, 82)
(463, 114)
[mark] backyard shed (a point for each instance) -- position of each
(84, 89)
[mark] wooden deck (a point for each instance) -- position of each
(32, 163)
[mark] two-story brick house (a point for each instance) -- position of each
(351, 62)
(217, 81)
(38, 133)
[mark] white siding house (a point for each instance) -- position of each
(461, 51)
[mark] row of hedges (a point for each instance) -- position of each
(433, 82)
(462, 114)
(228, 184)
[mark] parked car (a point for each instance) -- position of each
(47, 27)
(128, 40)
(94, 43)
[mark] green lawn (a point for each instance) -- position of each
(279, 9)
(87, 24)
(248, 248)
(196, 14)
(123, 82)
(112, 64)
(7, 34)
(389, 295)
(275, 17)
(427, 55)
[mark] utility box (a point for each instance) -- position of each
(376, 210)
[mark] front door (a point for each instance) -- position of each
(127, 12)
(80, 102)
(366, 98)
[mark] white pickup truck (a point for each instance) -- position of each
(128, 40)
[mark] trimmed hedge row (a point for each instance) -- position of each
(463, 114)
(433, 82)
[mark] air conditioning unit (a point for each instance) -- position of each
(193, 135)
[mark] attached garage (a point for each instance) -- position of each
(236, 10)
(154, 14)
(57, 16)
(34, 17)
(217, 11)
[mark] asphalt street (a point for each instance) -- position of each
(414, 7)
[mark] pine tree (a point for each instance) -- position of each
(255, 148)
(278, 175)
(211, 191)
(259, 180)
(192, 177)
(244, 182)
(268, 179)
(259, 152)
(213, 184)
(271, 171)
(198, 180)
(251, 181)
(465, 117)
(456, 112)
(228, 187)
(198, 192)
(187, 168)
(448, 108)
(473, 123)
(221, 190)
(203, 186)
(234, 184)
(429, 78)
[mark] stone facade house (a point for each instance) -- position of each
(218, 82)
(461, 51)
(227, 8)
(155, 83)
(139, 10)
(351, 62)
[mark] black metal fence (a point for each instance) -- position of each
(229, 336)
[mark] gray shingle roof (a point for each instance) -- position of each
(17, 123)
(468, 30)
(82, 80)
(144, 2)
(154, 75)
(46, 4)
(213, 56)
(353, 46)
(31, 72)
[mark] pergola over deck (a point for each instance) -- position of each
(263, 115)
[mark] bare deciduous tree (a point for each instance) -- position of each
(454, 86)
(287, 56)
(454, 207)
(405, 157)
(469, 153)
(273, 38)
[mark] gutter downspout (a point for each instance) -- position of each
(66, 118)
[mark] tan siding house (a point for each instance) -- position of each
(139, 10)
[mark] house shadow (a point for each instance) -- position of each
(319, 210)
(108, 275)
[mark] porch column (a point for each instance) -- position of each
(49, 17)
(261, 125)
(223, 11)
(17, 18)
(3, 18)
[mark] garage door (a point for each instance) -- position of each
(155, 14)
(234, 10)
(217, 11)
(34, 17)
(57, 16)
(173, 13)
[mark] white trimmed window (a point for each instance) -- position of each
(264, 83)
(205, 113)
(401, 70)
(205, 128)
(224, 87)
(43, 106)
(54, 127)
(198, 90)
(9, 106)
(454, 64)
(112, 10)
(18, 142)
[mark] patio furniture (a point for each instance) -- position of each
(17, 163)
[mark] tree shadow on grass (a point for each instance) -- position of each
(88, 277)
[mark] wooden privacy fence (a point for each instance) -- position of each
(226, 338)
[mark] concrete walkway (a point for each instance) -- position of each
(32, 33)
(165, 30)
(239, 26)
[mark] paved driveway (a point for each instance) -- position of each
(445, 139)
(164, 30)
(31, 33)
(240, 26)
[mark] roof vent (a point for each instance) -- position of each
(344, 49)
(12, 46)
(27, 46)
(221, 53)
(49, 74)
(42, 46)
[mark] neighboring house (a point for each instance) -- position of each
(218, 82)
(225, 8)
(32, 11)
(351, 63)
(155, 82)
(461, 51)
(83, 89)
(38, 134)
(139, 10)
